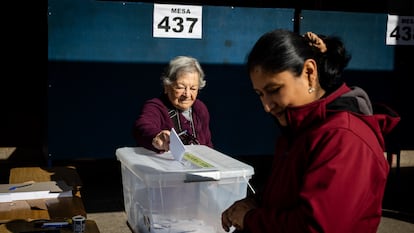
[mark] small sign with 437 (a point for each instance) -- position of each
(400, 30)
(177, 21)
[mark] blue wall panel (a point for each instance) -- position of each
(122, 32)
(363, 34)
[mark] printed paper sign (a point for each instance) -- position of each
(177, 21)
(400, 30)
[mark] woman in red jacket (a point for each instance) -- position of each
(329, 171)
(178, 108)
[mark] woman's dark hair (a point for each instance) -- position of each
(280, 50)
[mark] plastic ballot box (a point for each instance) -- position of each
(162, 194)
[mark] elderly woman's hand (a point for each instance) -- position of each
(162, 140)
(234, 215)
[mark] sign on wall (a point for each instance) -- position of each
(400, 30)
(177, 21)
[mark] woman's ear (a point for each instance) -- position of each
(310, 70)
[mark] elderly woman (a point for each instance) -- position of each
(178, 108)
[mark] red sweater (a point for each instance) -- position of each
(329, 171)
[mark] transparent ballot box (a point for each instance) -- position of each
(163, 195)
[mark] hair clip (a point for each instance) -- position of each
(315, 41)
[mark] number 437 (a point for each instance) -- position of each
(177, 24)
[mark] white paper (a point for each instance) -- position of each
(36, 190)
(177, 147)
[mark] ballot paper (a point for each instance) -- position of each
(34, 190)
(177, 147)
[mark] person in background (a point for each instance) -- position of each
(329, 171)
(178, 108)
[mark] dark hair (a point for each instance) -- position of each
(281, 50)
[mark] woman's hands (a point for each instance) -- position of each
(162, 140)
(234, 215)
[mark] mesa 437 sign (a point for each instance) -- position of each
(400, 30)
(177, 21)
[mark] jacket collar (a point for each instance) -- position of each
(303, 116)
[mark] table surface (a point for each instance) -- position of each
(39, 174)
(19, 216)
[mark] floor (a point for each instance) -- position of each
(102, 191)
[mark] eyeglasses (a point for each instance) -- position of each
(179, 88)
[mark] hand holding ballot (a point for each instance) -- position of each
(170, 140)
(162, 141)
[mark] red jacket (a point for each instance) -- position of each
(329, 171)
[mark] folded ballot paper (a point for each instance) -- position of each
(34, 190)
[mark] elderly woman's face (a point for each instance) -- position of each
(184, 91)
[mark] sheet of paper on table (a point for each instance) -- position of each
(34, 190)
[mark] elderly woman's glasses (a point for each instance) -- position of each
(180, 88)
